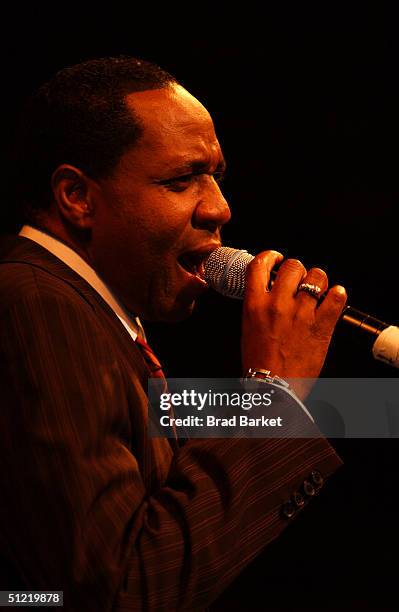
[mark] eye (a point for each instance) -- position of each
(219, 176)
(179, 183)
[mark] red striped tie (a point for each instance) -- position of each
(150, 358)
(156, 372)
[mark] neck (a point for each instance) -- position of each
(78, 241)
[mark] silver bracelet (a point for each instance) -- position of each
(266, 376)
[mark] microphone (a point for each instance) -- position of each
(225, 271)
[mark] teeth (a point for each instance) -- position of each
(201, 271)
(197, 269)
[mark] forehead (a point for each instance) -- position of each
(177, 128)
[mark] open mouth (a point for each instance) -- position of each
(193, 263)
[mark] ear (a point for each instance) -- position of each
(72, 195)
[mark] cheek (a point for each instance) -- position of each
(162, 220)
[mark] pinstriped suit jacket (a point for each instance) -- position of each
(90, 505)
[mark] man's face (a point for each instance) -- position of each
(161, 211)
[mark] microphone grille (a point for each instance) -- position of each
(225, 270)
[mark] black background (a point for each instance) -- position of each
(305, 102)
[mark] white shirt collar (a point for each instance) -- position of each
(81, 267)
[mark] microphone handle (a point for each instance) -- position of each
(363, 322)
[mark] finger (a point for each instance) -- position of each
(330, 310)
(305, 300)
(258, 275)
(289, 275)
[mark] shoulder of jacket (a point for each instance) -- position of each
(23, 280)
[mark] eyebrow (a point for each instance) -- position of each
(198, 166)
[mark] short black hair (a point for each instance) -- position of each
(79, 117)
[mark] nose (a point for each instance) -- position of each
(212, 211)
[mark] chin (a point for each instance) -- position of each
(171, 313)
(181, 314)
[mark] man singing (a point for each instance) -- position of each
(119, 169)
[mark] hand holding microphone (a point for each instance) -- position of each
(226, 270)
(283, 330)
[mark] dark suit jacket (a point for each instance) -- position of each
(90, 505)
